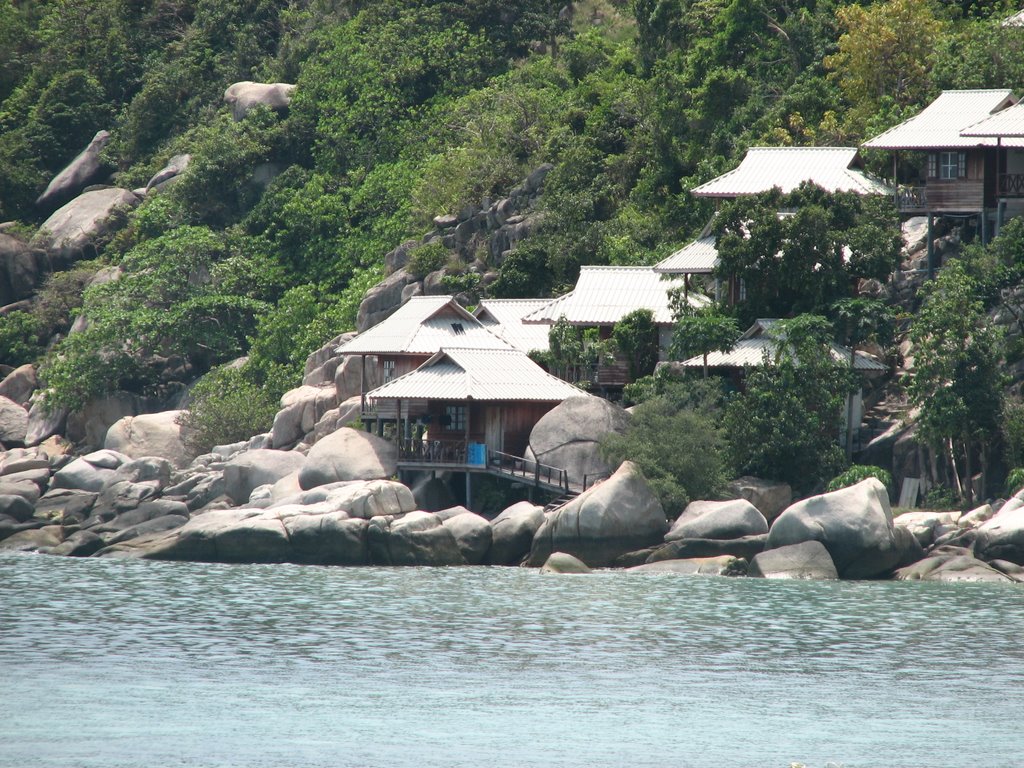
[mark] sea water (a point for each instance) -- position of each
(108, 663)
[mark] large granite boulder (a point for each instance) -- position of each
(718, 520)
(512, 533)
(357, 499)
(1002, 537)
(89, 472)
(322, 364)
(926, 527)
(418, 538)
(855, 524)
(328, 539)
(807, 560)
(567, 436)
(952, 564)
(22, 268)
(301, 409)
(472, 534)
(33, 540)
(618, 516)
(68, 233)
(350, 379)
(769, 496)
(226, 536)
(251, 469)
(348, 454)
(19, 384)
(174, 168)
(65, 505)
(724, 565)
(87, 168)
(245, 95)
(13, 423)
(17, 507)
(150, 434)
(90, 425)
(561, 562)
(44, 422)
(382, 300)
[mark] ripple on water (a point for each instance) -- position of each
(187, 664)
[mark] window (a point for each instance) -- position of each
(952, 165)
(454, 419)
(457, 329)
(389, 370)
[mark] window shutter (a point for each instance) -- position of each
(933, 165)
(962, 170)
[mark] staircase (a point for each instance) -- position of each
(561, 501)
(888, 412)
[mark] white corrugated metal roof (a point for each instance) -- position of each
(1017, 20)
(604, 295)
(423, 325)
(478, 374)
(763, 168)
(504, 318)
(1008, 122)
(698, 257)
(938, 125)
(752, 346)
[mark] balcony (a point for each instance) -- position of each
(942, 196)
(1011, 185)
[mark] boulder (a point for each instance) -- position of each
(89, 472)
(1002, 537)
(855, 524)
(348, 454)
(245, 95)
(718, 520)
(19, 385)
(567, 436)
(19, 460)
(561, 562)
(472, 534)
(19, 508)
(34, 540)
(13, 423)
(926, 527)
(724, 565)
(91, 424)
(350, 379)
(27, 489)
(617, 516)
(346, 414)
(247, 471)
(148, 527)
(79, 544)
(382, 300)
(807, 560)
(418, 538)
(952, 564)
(150, 434)
(770, 497)
(362, 500)
(174, 168)
(87, 168)
(322, 364)
(22, 268)
(68, 234)
(43, 422)
(301, 410)
(65, 505)
(512, 533)
(745, 547)
(328, 539)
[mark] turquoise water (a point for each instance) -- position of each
(124, 663)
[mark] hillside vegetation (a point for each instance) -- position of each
(404, 110)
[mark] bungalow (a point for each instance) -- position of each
(472, 410)
(407, 339)
(835, 169)
(964, 173)
(605, 295)
(504, 318)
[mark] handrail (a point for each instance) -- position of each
(1011, 184)
(592, 479)
(433, 451)
(517, 466)
(909, 198)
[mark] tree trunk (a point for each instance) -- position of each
(969, 472)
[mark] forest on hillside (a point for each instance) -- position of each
(405, 110)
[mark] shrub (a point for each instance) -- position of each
(859, 472)
(19, 338)
(427, 258)
(1014, 481)
(226, 407)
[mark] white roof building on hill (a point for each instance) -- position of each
(422, 326)
(941, 124)
(697, 258)
(834, 169)
(604, 295)
(504, 318)
(1007, 123)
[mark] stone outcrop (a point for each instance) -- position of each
(512, 533)
(561, 562)
(745, 547)
(301, 410)
(150, 434)
(567, 436)
(1002, 537)
(724, 565)
(19, 384)
(72, 230)
(89, 472)
(472, 534)
(13, 423)
(807, 560)
(418, 538)
(252, 469)
(618, 516)
(952, 564)
(174, 168)
(22, 268)
(245, 95)
(348, 454)
(718, 520)
(855, 524)
(87, 168)
(770, 497)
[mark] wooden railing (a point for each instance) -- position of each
(517, 466)
(911, 198)
(433, 451)
(1011, 185)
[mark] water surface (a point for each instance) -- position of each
(124, 663)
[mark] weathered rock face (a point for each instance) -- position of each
(150, 434)
(768, 496)
(251, 469)
(718, 520)
(348, 454)
(926, 527)
(245, 95)
(89, 472)
(855, 525)
(560, 562)
(382, 300)
(174, 168)
(567, 436)
(13, 423)
(807, 560)
(322, 364)
(724, 565)
(90, 425)
(22, 268)
(418, 538)
(618, 516)
(19, 385)
(472, 534)
(1002, 537)
(687, 549)
(512, 533)
(952, 564)
(349, 374)
(67, 235)
(87, 168)
(301, 409)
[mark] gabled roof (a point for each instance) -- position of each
(832, 168)
(604, 295)
(755, 342)
(504, 318)
(698, 257)
(478, 374)
(422, 326)
(1006, 123)
(938, 125)
(1016, 20)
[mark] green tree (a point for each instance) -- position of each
(636, 337)
(701, 331)
(226, 406)
(956, 382)
(677, 440)
(786, 423)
